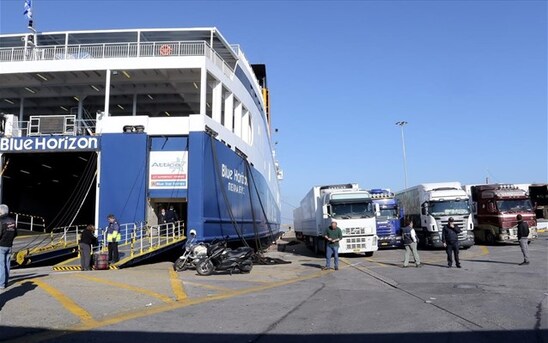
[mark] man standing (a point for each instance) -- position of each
(333, 235)
(162, 216)
(450, 239)
(523, 238)
(410, 242)
(171, 216)
(8, 231)
(113, 237)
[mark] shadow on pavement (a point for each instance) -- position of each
(488, 261)
(505, 336)
(15, 292)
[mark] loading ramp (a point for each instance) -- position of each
(138, 244)
(32, 248)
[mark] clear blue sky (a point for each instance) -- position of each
(470, 77)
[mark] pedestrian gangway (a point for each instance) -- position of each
(138, 243)
(35, 248)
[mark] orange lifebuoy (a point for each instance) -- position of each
(165, 50)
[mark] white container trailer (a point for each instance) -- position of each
(346, 204)
(430, 205)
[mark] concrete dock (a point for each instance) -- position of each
(491, 299)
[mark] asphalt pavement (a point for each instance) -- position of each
(490, 299)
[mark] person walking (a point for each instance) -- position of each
(87, 239)
(113, 237)
(450, 239)
(410, 241)
(8, 232)
(523, 239)
(333, 235)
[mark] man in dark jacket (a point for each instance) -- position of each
(113, 237)
(450, 239)
(87, 239)
(8, 231)
(171, 216)
(523, 238)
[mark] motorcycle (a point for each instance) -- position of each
(192, 251)
(221, 257)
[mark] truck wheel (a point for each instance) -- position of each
(316, 248)
(490, 238)
(369, 253)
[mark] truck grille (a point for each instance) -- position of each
(356, 243)
(355, 231)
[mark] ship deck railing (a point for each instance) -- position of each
(114, 50)
(77, 127)
(137, 243)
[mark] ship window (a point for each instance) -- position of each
(211, 83)
(224, 112)
(237, 122)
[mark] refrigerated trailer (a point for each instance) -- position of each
(346, 204)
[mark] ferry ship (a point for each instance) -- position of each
(129, 121)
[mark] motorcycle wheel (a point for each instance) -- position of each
(205, 268)
(181, 265)
(245, 268)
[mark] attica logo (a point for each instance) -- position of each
(168, 164)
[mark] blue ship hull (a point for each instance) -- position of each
(226, 195)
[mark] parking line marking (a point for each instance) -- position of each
(153, 310)
(177, 285)
(215, 288)
(84, 316)
(153, 294)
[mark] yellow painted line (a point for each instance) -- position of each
(84, 316)
(206, 286)
(153, 310)
(177, 285)
(484, 251)
(380, 264)
(153, 294)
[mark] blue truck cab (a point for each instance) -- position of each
(388, 218)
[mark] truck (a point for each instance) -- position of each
(539, 197)
(346, 204)
(495, 207)
(430, 205)
(388, 218)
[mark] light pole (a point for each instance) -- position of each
(401, 124)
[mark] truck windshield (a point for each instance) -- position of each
(388, 213)
(449, 208)
(515, 205)
(350, 210)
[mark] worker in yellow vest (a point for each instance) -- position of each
(113, 237)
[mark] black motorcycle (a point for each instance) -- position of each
(221, 257)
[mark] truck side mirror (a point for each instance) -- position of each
(491, 207)
(423, 211)
(424, 208)
(377, 210)
(326, 211)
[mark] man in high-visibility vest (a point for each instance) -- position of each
(113, 237)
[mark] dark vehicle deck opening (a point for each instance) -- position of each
(60, 187)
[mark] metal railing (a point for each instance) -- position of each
(142, 238)
(29, 222)
(83, 127)
(114, 50)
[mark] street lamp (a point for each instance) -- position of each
(401, 124)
